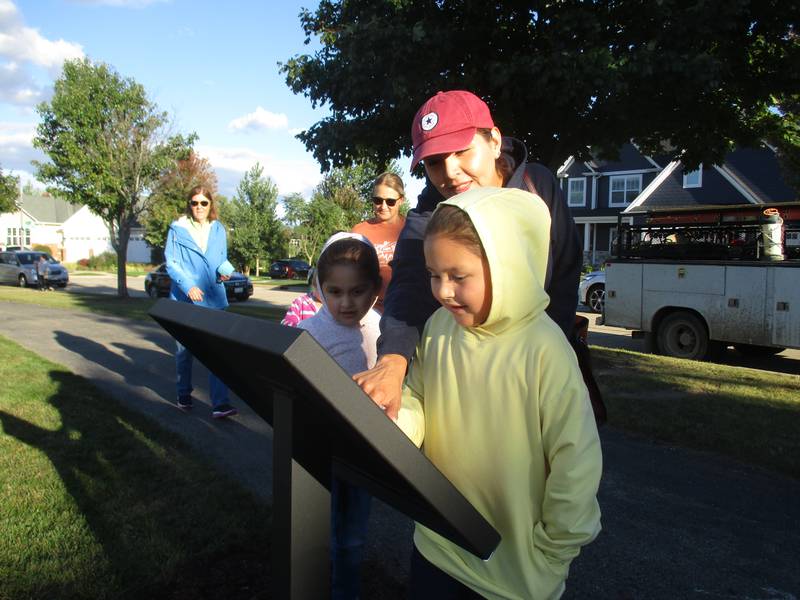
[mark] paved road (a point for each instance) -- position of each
(676, 523)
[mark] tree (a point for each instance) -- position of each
(313, 222)
(562, 76)
(788, 144)
(350, 188)
(255, 231)
(9, 191)
(168, 200)
(108, 146)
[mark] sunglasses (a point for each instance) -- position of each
(377, 201)
(199, 202)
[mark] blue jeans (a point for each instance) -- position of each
(350, 507)
(183, 362)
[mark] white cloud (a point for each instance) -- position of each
(289, 175)
(22, 51)
(22, 44)
(260, 119)
(16, 146)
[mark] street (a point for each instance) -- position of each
(787, 361)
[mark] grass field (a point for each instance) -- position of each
(747, 414)
(99, 502)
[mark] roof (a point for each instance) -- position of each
(47, 209)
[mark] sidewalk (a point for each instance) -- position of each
(676, 523)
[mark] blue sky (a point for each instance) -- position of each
(212, 65)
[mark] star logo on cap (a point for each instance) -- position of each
(429, 121)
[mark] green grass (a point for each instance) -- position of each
(748, 414)
(100, 502)
(130, 308)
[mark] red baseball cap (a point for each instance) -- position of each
(447, 122)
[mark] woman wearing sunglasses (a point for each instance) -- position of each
(197, 262)
(384, 227)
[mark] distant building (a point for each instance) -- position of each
(71, 232)
(598, 191)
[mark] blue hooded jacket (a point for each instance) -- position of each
(188, 266)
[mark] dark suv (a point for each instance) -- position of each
(289, 268)
(157, 283)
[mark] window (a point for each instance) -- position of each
(623, 189)
(693, 179)
(576, 191)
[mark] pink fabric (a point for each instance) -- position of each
(301, 309)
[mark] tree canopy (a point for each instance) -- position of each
(254, 230)
(9, 190)
(108, 146)
(561, 76)
(168, 200)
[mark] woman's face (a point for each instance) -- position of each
(200, 206)
(473, 166)
(382, 196)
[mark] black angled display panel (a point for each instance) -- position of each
(334, 421)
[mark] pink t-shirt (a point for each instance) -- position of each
(384, 237)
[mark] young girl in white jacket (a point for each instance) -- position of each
(495, 398)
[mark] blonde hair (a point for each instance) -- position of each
(390, 180)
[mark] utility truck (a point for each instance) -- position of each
(694, 281)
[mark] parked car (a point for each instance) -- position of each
(157, 283)
(289, 268)
(19, 267)
(592, 291)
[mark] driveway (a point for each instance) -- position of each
(677, 523)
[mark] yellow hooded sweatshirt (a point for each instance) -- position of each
(501, 409)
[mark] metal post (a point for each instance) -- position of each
(301, 517)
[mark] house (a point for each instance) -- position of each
(71, 232)
(598, 191)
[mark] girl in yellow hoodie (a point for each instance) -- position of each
(495, 398)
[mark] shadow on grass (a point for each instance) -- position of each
(169, 526)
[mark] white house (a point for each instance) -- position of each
(72, 232)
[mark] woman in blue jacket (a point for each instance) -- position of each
(197, 263)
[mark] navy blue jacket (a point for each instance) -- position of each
(409, 301)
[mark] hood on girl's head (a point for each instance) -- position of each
(338, 237)
(514, 229)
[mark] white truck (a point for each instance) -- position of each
(694, 281)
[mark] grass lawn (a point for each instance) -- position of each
(747, 414)
(99, 502)
(132, 308)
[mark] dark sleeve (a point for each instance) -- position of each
(566, 254)
(409, 301)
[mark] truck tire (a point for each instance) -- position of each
(683, 335)
(754, 351)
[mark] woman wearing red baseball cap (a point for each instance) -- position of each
(460, 147)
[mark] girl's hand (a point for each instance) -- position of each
(224, 277)
(384, 383)
(195, 294)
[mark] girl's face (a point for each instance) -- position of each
(386, 195)
(460, 279)
(348, 295)
(200, 206)
(473, 166)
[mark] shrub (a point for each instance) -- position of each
(42, 248)
(107, 261)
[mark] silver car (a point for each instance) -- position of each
(592, 291)
(19, 267)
